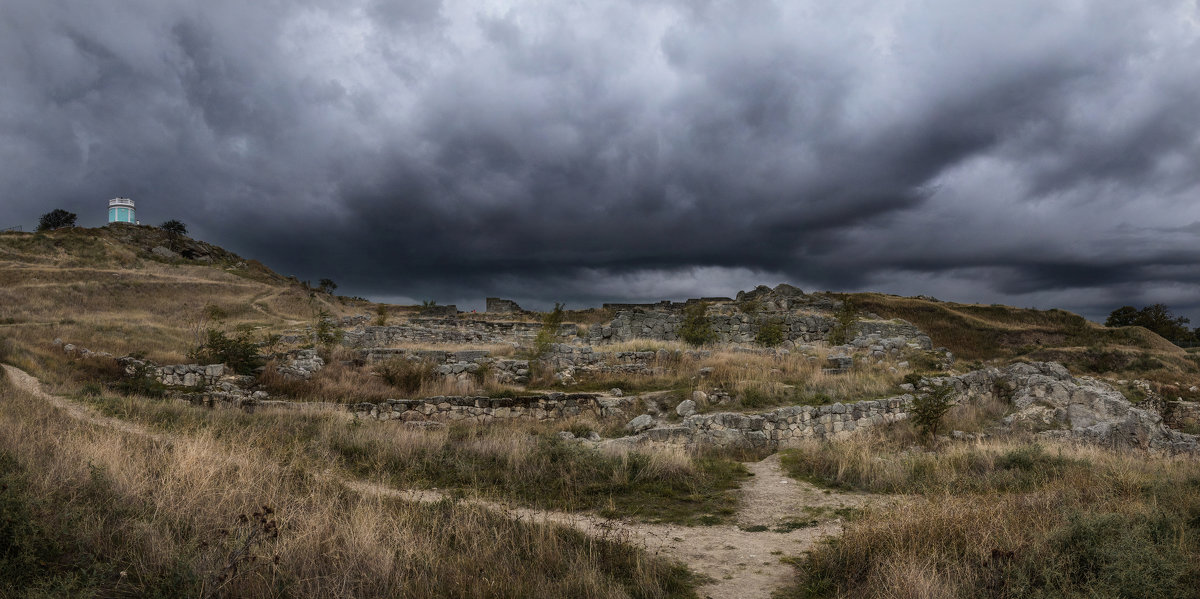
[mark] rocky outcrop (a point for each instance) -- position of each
(1048, 401)
(1045, 398)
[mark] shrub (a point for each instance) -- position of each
(381, 314)
(549, 331)
(326, 333)
(140, 382)
(174, 227)
(238, 352)
(846, 316)
(695, 329)
(770, 333)
(928, 408)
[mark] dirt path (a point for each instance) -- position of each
(743, 560)
(741, 564)
(772, 498)
(27, 383)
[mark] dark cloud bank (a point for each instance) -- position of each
(1033, 153)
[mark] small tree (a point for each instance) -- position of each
(549, 331)
(381, 315)
(928, 408)
(327, 285)
(695, 329)
(56, 219)
(174, 227)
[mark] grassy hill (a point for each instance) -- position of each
(131, 289)
(136, 289)
(996, 333)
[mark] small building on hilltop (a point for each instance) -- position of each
(121, 210)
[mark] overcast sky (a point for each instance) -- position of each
(1031, 153)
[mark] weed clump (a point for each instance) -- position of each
(405, 374)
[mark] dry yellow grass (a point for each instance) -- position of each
(1006, 518)
(149, 517)
(757, 380)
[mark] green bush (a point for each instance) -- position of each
(325, 331)
(846, 316)
(696, 330)
(237, 352)
(549, 331)
(770, 333)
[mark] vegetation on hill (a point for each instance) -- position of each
(981, 333)
(56, 219)
(1157, 318)
(130, 289)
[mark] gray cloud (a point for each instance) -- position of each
(1023, 152)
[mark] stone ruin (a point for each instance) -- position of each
(495, 305)
(1047, 400)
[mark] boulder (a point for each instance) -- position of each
(639, 424)
(686, 408)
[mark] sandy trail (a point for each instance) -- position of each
(740, 563)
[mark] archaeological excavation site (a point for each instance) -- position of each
(176, 420)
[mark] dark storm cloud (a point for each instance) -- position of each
(1023, 152)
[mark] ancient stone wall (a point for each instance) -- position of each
(737, 327)
(484, 409)
(462, 364)
(189, 375)
(1182, 415)
(729, 328)
(495, 305)
(781, 427)
(449, 330)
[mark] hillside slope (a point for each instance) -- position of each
(996, 333)
(137, 289)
